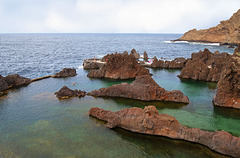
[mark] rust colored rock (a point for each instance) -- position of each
(142, 88)
(16, 80)
(177, 63)
(65, 93)
(3, 84)
(228, 88)
(237, 50)
(157, 63)
(66, 72)
(119, 66)
(145, 56)
(227, 32)
(205, 66)
(149, 121)
(135, 54)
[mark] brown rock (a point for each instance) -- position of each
(205, 66)
(66, 72)
(135, 54)
(142, 88)
(3, 84)
(119, 66)
(177, 63)
(237, 50)
(149, 121)
(228, 92)
(226, 32)
(15, 80)
(93, 64)
(157, 63)
(65, 93)
(145, 56)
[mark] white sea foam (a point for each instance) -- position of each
(100, 55)
(80, 67)
(211, 44)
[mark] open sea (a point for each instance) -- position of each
(35, 124)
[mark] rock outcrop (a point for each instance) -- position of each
(177, 63)
(119, 66)
(237, 51)
(227, 32)
(135, 54)
(145, 56)
(16, 80)
(228, 88)
(142, 88)
(149, 121)
(93, 64)
(66, 72)
(65, 93)
(205, 66)
(3, 84)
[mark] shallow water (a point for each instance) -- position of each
(34, 123)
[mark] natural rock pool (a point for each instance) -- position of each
(34, 123)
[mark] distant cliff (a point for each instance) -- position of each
(227, 32)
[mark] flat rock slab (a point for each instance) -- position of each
(142, 88)
(149, 121)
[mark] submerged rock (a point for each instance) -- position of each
(66, 72)
(16, 80)
(143, 88)
(149, 121)
(228, 92)
(65, 93)
(119, 66)
(227, 32)
(205, 66)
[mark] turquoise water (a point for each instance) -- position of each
(34, 123)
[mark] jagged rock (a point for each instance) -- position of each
(142, 88)
(227, 32)
(15, 80)
(237, 50)
(66, 72)
(149, 121)
(65, 93)
(145, 56)
(119, 66)
(3, 84)
(135, 54)
(157, 63)
(205, 66)
(228, 92)
(177, 63)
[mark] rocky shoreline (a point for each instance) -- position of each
(149, 121)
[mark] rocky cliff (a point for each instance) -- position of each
(149, 121)
(143, 88)
(227, 32)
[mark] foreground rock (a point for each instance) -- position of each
(227, 32)
(135, 54)
(16, 80)
(65, 93)
(177, 63)
(228, 92)
(237, 50)
(66, 72)
(205, 66)
(119, 66)
(149, 121)
(143, 88)
(3, 84)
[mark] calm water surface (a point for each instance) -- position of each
(34, 123)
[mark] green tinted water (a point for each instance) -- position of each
(34, 123)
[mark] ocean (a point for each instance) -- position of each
(34, 123)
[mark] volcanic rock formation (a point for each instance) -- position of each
(119, 66)
(3, 84)
(228, 92)
(135, 54)
(149, 121)
(66, 72)
(142, 88)
(177, 63)
(237, 51)
(205, 66)
(227, 32)
(65, 93)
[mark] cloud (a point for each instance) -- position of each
(109, 16)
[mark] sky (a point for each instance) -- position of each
(112, 16)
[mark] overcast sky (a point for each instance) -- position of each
(112, 16)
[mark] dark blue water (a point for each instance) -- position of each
(36, 55)
(34, 123)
